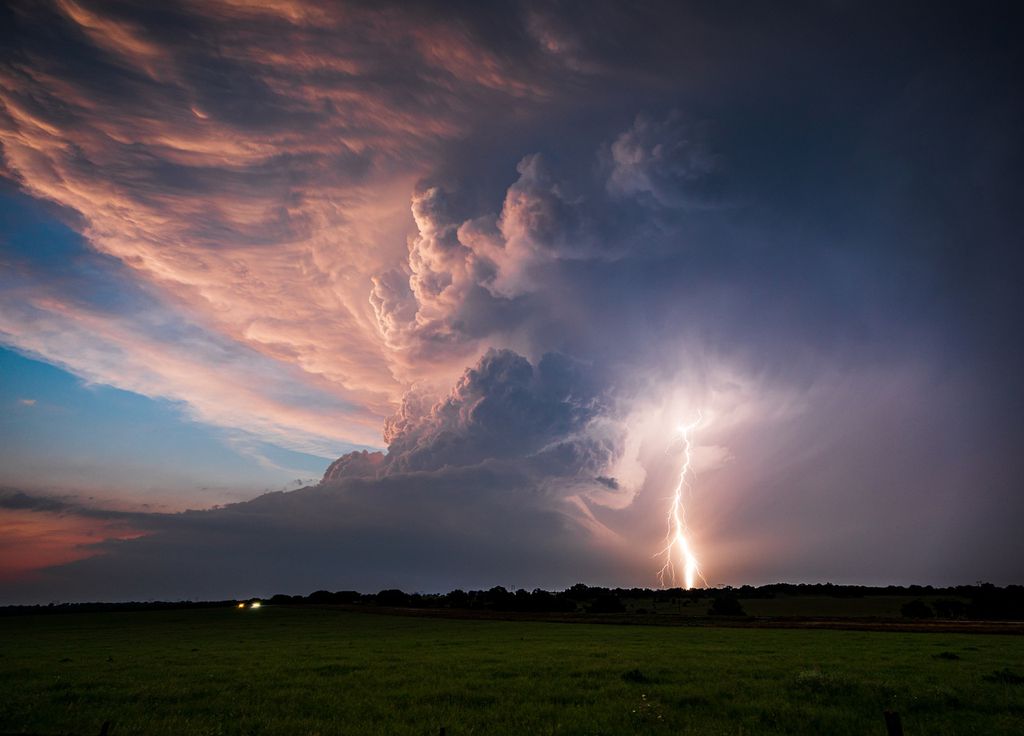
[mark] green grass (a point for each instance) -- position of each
(321, 671)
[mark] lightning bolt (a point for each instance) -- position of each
(677, 549)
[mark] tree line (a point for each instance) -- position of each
(982, 601)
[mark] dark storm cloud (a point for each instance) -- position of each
(68, 504)
(473, 488)
(418, 531)
(502, 408)
(25, 502)
(663, 162)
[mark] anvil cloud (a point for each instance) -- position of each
(488, 254)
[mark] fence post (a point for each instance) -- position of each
(892, 723)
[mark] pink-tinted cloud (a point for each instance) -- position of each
(32, 540)
(219, 381)
(467, 283)
(256, 178)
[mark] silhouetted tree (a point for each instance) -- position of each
(950, 609)
(457, 599)
(393, 598)
(726, 604)
(916, 608)
(607, 603)
(321, 597)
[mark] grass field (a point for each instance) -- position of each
(321, 671)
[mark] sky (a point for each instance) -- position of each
(300, 296)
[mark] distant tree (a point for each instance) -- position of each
(916, 608)
(607, 603)
(578, 592)
(990, 602)
(499, 599)
(726, 604)
(541, 600)
(321, 597)
(949, 609)
(393, 598)
(457, 599)
(524, 600)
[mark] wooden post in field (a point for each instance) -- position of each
(892, 723)
(104, 728)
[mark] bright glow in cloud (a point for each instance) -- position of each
(678, 551)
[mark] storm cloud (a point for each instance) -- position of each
(481, 485)
(487, 259)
